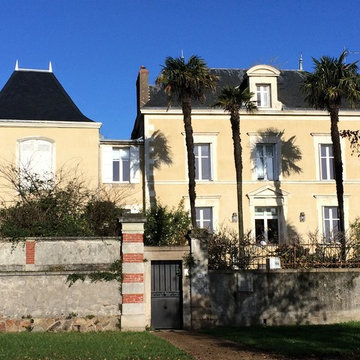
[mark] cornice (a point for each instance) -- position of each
(49, 124)
(262, 113)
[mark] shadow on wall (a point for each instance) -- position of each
(274, 157)
(283, 298)
(159, 154)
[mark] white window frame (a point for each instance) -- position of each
(265, 217)
(201, 220)
(259, 138)
(268, 196)
(205, 138)
(330, 221)
(120, 160)
(330, 201)
(212, 201)
(107, 164)
(198, 162)
(328, 159)
(21, 141)
(275, 161)
(325, 139)
(263, 95)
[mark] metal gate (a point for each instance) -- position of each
(166, 295)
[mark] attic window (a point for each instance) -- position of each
(263, 95)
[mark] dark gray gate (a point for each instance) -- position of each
(166, 295)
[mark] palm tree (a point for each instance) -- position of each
(232, 99)
(332, 82)
(186, 82)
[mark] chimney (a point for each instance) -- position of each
(142, 87)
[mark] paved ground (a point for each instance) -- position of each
(205, 347)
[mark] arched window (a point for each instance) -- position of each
(37, 156)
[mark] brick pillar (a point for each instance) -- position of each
(30, 252)
(133, 306)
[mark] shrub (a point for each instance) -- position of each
(56, 206)
(166, 227)
(101, 217)
(223, 248)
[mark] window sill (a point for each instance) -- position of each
(117, 182)
(204, 181)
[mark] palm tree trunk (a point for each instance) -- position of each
(186, 109)
(235, 127)
(338, 173)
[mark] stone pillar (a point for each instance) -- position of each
(133, 306)
(201, 314)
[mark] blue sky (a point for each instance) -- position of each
(97, 47)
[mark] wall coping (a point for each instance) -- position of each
(60, 238)
(132, 218)
(166, 248)
(274, 271)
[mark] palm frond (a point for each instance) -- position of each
(332, 82)
(180, 79)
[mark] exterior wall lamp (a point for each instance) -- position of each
(302, 217)
(234, 217)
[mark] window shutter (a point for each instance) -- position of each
(42, 159)
(107, 163)
(27, 149)
(134, 165)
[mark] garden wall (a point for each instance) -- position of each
(34, 293)
(277, 297)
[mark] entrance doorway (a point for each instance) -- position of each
(166, 295)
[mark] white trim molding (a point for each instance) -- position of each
(325, 138)
(269, 196)
(330, 200)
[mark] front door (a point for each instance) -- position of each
(166, 295)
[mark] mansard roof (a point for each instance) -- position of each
(37, 95)
(288, 81)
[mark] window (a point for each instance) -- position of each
(204, 218)
(36, 156)
(202, 162)
(121, 164)
(326, 162)
(267, 225)
(265, 161)
(263, 95)
(331, 222)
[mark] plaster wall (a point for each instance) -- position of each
(285, 297)
(75, 148)
(303, 187)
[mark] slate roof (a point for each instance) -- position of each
(289, 92)
(37, 95)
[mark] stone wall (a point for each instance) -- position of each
(285, 297)
(35, 295)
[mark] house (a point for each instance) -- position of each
(43, 131)
(288, 179)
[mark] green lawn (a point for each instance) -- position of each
(336, 341)
(86, 346)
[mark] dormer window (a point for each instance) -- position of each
(263, 95)
(263, 84)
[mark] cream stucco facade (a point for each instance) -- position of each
(44, 133)
(296, 191)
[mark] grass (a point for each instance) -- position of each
(336, 341)
(86, 346)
